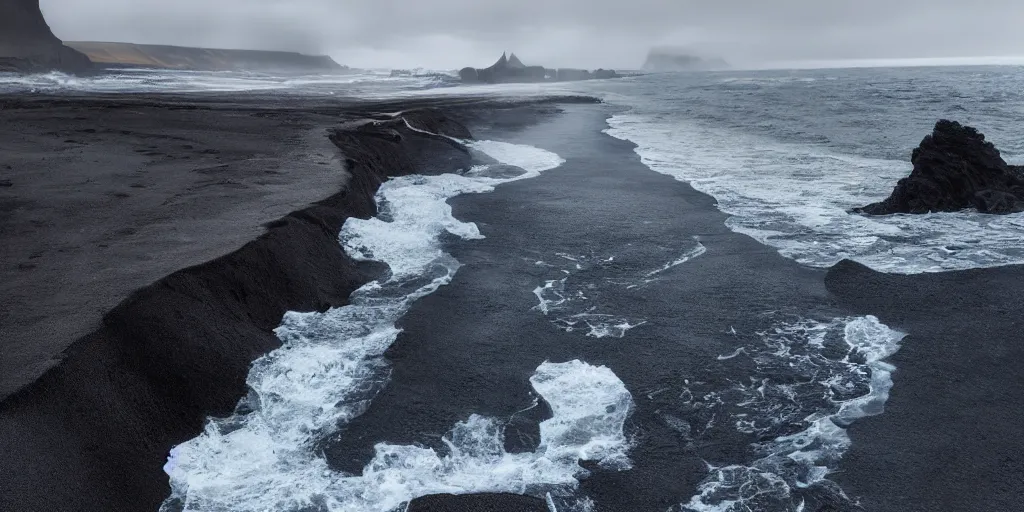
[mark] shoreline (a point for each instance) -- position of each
(146, 379)
(95, 429)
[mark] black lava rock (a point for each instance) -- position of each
(955, 168)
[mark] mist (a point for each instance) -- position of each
(449, 34)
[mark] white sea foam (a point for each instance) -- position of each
(699, 250)
(799, 383)
(797, 199)
(365, 84)
(329, 367)
(576, 301)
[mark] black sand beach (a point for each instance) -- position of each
(471, 346)
(93, 213)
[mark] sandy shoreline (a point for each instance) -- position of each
(93, 432)
(93, 214)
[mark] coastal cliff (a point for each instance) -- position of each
(129, 55)
(28, 45)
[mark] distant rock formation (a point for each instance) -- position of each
(509, 69)
(129, 55)
(677, 59)
(28, 45)
(955, 168)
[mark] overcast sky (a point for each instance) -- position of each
(448, 34)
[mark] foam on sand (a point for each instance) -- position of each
(820, 375)
(575, 300)
(331, 365)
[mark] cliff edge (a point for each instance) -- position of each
(130, 55)
(28, 45)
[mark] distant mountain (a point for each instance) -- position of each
(28, 45)
(678, 59)
(203, 59)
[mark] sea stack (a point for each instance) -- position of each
(509, 69)
(955, 168)
(28, 45)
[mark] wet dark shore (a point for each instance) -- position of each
(950, 438)
(471, 346)
(947, 441)
(93, 432)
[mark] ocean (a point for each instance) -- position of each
(785, 154)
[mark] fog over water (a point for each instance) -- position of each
(445, 34)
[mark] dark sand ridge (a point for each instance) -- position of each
(105, 197)
(92, 433)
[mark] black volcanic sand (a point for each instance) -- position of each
(952, 435)
(472, 346)
(105, 197)
(948, 441)
(93, 432)
(100, 196)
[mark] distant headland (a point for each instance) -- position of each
(129, 55)
(668, 58)
(509, 69)
(27, 45)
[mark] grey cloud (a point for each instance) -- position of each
(590, 33)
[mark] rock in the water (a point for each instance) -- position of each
(955, 168)
(478, 503)
(28, 45)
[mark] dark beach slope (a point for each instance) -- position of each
(948, 440)
(471, 347)
(951, 436)
(107, 195)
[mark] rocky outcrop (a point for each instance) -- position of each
(129, 55)
(28, 45)
(667, 59)
(509, 69)
(955, 168)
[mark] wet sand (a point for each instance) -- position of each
(91, 216)
(948, 439)
(951, 435)
(93, 431)
(471, 347)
